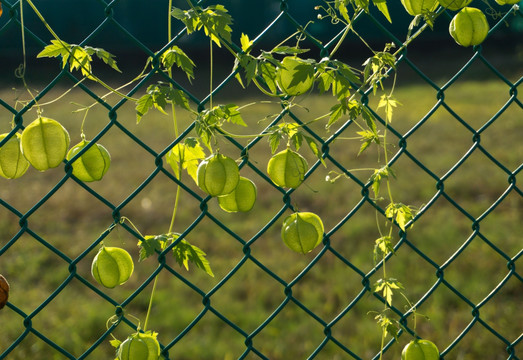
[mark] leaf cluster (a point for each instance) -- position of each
(215, 21)
(295, 136)
(78, 57)
(183, 252)
(158, 96)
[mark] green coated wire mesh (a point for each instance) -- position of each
(456, 149)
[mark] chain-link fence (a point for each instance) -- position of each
(454, 145)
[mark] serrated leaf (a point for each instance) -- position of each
(105, 56)
(382, 7)
(187, 155)
(151, 244)
(288, 50)
(178, 97)
(336, 112)
(176, 56)
(143, 105)
(216, 23)
(382, 247)
(274, 141)
(400, 213)
(184, 253)
(387, 287)
(232, 114)
(388, 102)
(57, 48)
(314, 148)
(343, 11)
(245, 43)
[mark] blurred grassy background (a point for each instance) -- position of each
(72, 219)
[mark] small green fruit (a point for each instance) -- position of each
(418, 7)
(92, 164)
(112, 266)
(139, 346)
(218, 175)
(295, 76)
(302, 231)
(44, 143)
(12, 163)
(241, 199)
(507, 2)
(454, 5)
(287, 168)
(469, 27)
(420, 350)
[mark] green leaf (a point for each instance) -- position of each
(57, 48)
(336, 112)
(388, 102)
(249, 65)
(143, 105)
(190, 18)
(176, 56)
(151, 244)
(382, 247)
(295, 76)
(288, 50)
(389, 326)
(216, 23)
(268, 72)
(115, 343)
(325, 80)
(368, 116)
(367, 137)
(274, 140)
(400, 213)
(382, 7)
(105, 56)
(379, 175)
(178, 97)
(314, 148)
(232, 114)
(387, 287)
(245, 43)
(343, 10)
(157, 96)
(188, 155)
(184, 253)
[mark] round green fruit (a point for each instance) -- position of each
(92, 164)
(44, 143)
(469, 27)
(287, 168)
(242, 197)
(454, 5)
(418, 7)
(218, 175)
(139, 346)
(112, 266)
(295, 76)
(507, 2)
(420, 350)
(12, 163)
(302, 231)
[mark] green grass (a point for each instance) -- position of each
(71, 219)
